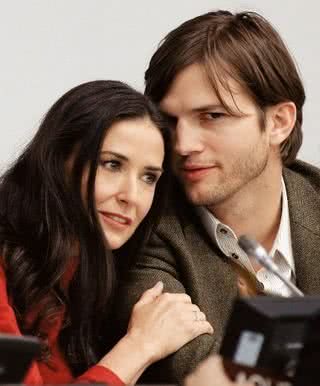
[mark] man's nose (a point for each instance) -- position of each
(187, 139)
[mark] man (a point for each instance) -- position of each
(234, 97)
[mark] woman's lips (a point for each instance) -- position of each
(116, 219)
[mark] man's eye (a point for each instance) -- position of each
(171, 121)
(110, 164)
(212, 116)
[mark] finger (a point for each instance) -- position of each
(199, 316)
(151, 294)
(203, 327)
(184, 311)
(175, 297)
(200, 327)
(185, 308)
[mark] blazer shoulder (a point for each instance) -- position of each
(303, 173)
(178, 215)
(303, 190)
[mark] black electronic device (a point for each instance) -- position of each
(307, 373)
(268, 334)
(16, 355)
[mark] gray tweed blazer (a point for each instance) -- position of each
(182, 255)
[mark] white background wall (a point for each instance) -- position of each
(49, 46)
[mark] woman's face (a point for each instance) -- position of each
(129, 167)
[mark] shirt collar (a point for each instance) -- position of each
(282, 241)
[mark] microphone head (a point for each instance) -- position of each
(249, 245)
(254, 249)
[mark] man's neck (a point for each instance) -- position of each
(255, 210)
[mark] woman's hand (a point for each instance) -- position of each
(161, 323)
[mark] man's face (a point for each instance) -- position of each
(216, 153)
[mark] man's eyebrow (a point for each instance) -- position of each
(167, 115)
(207, 108)
(199, 109)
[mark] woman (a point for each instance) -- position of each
(88, 183)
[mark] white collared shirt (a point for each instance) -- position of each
(281, 251)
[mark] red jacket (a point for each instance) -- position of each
(57, 370)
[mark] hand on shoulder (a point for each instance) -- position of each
(161, 323)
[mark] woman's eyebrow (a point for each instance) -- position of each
(154, 169)
(118, 155)
(121, 156)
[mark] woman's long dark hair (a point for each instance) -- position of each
(43, 216)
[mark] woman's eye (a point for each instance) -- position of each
(150, 178)
(111, 164)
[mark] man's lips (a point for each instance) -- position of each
(195, 172)
(116, 219)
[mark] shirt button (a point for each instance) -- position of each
(234, 255)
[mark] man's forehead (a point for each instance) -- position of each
(193, 90)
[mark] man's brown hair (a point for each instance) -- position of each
(242, 46)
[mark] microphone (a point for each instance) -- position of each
(253, 248)
(272, 340)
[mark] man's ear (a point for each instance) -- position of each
(282, 118)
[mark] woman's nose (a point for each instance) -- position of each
(128, 190)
